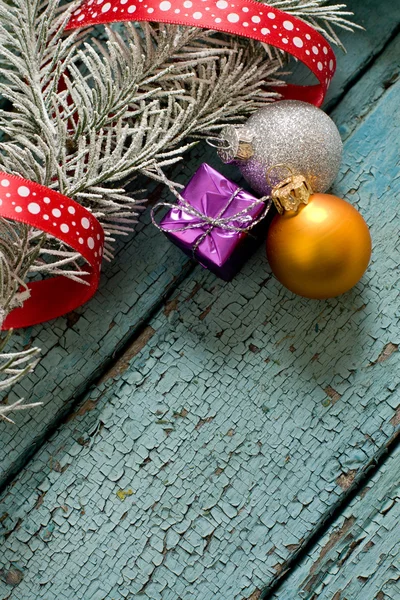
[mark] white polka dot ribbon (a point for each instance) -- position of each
(246, 18)
(65, 219)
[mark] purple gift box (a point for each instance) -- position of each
(221, 250)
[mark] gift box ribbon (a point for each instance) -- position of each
(59, 216)
(244, 222)
(246, 18)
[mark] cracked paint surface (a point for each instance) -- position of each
(221, 427)
(77, 347)
(359, 557)
(197, 470)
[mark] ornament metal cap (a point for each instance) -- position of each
(235, 144)
(289, 193)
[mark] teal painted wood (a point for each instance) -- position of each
(355, 106)
(147, 267)
(208, 461)
(360, 52)
(359, 557)
(76, 348)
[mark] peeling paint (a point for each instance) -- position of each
(333, 394)
(225, 454)
(123, 363)
(205, 312)
(395, 420)
(386, 353)
(171, 306)
(346, 479)
(335, 536)
(12, 576)
(359, 555)
(256, 595)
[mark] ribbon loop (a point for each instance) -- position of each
(45, 209)
(206, 221)
(246, 18)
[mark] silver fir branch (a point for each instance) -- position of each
(13, 367)
(87, 116)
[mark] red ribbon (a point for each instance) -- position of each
(246, 18)
(61, 217)
(47, 210)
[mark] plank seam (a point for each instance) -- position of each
(97, 376)
(365, 476)
(135, 333)
(330, 107)
(124, 345)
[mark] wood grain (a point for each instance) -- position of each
(79, 348)
(248, 415)
(359, 557)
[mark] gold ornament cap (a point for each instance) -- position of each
(290, 192)
(235, 144)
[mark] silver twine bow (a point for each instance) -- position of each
(242, 217)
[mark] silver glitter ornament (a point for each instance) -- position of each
(287, 132)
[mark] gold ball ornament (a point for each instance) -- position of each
(320, 251)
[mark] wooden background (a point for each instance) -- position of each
(210, 441)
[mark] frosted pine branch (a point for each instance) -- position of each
(87, 116)
(13, 367)
(324, 17)
(5, 410)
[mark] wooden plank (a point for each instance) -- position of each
(78, 348)
(198, 470)
(354, 106)
(361, 46)
(359, 556)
